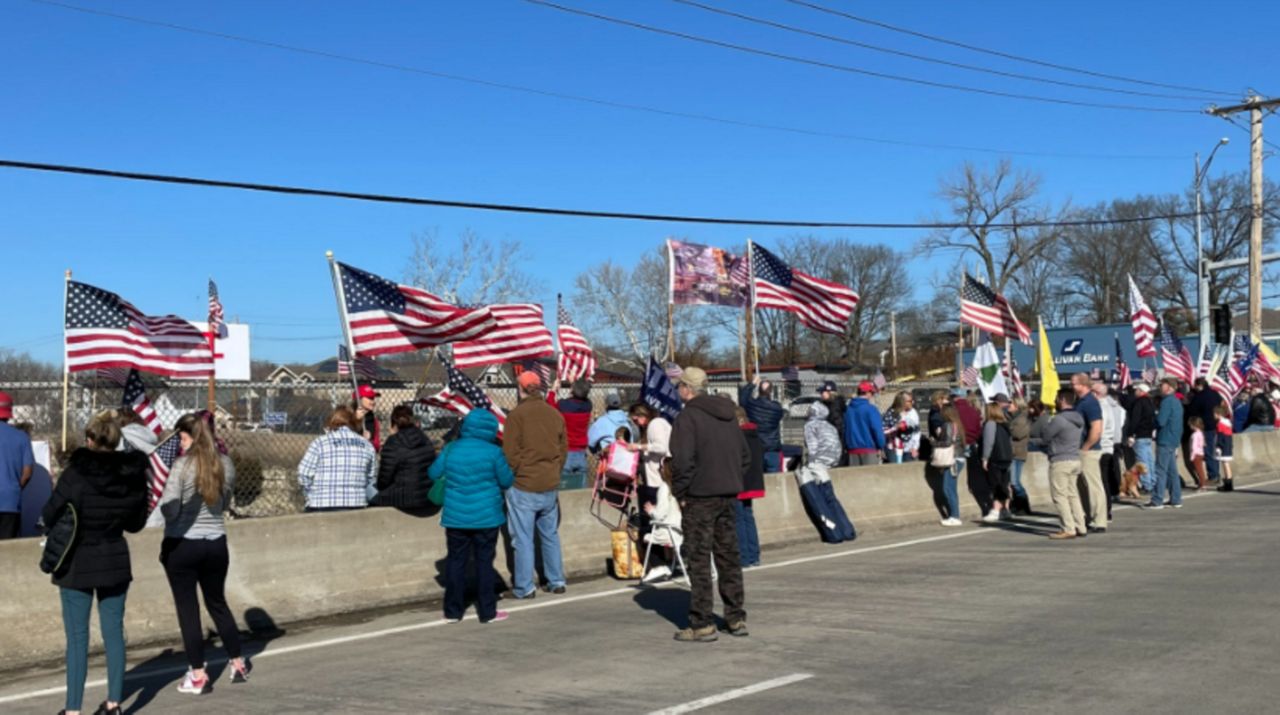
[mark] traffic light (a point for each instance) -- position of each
(1221, 323)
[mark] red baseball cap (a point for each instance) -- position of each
(866, 388)
(367, 391)
(6, 406)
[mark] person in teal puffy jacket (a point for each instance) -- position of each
(475, 473)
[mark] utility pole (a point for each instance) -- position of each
(1254, 105)
(893, 338)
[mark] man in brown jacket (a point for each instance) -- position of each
(536, 444)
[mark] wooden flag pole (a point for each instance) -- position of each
(66, 367)
(671, 303)
(960, 340)
(753, 349)
(342, 317)
(213, 353)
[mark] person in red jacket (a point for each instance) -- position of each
(576, 410)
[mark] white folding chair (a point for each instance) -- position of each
(671, 537)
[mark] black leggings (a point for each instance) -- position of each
(188, 562)
(998, 480)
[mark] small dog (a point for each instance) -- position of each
(1129, 486)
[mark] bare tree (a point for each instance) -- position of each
(980, 199)
(21, 367)
(470, 271)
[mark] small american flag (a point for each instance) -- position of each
(990, 312)
(1123, 378)
(104, 331)
(135, 398)
(217, 321)
(969, 376)
(162, 459)
(1012, 375)
(821, 305)
(539, 368)
(577, 359)
(879, 381)
(1207, 352)
(1234, 374)
(1176, 358)
(520, 334)
(1144, 322)
(461, 395)
(790, 373)
(1149, 375)
(385, 318)
(673, 371)
(366, 367)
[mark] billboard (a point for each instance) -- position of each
(231, 354)
(1082, 349)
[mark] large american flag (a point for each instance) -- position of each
(577, 360)
(366, 367)
(1144, 322)
(519, 335)
(162, 459)
(385, 318)
(989, 311)
(217, 321)
(461, 395)
(1176, 357)
(104, 331)
(821, 305)
(135, 398)
(1123, 378)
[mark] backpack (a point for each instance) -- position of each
(1002, 449)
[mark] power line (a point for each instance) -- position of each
(1005, 55)
(926, 58)
(547, 211)
(848, 68)
(594, 100)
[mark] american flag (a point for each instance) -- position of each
(969, 377)
(1144, 322)
(385, 318)
(673, 371)
(989, 311)
(1234, 374)
(577, 359)
(217, 321)
(519, 335)
(1207, 352)
(135, 398)
(461, 395)
(539, 368)
(162, 459)
(105, 331)
(821, 305)
(366, 367)
(1176, 357)
(115, 375)
(878, 380)
(1264, 367)
(1123, 378)
(1012, 375)
(1149, 375)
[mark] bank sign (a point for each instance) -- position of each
(1083, 349)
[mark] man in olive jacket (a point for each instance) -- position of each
(709, 456)
(536, 444)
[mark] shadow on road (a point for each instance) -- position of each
(670, 603)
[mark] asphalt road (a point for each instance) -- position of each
(1171, 611)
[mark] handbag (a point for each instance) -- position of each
(943, 455)
(436, 494)
(60, 541)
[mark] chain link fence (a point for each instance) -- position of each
(267, 426)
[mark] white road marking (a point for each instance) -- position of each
(356, 637)
(733, 694)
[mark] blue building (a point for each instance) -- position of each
(1083, 349)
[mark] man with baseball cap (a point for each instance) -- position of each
(863, 428)
(1139, 426)
(16, 464)
(365, 398)
(536, 445)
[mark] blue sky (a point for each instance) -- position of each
(90, 90)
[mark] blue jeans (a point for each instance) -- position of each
(527, 512)
(1210, 459)
(949, 490)
(772, 461)
(1142, 449)
(1167, 476)
(748, 539)
(574, 474)
(76, 606)
(1015, 474)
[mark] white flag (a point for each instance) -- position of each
(990, 378)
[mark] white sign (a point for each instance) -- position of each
(231, 354)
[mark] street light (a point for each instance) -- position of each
(1202, 282)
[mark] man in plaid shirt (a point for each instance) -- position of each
(339, 466)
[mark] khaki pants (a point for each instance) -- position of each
(1066, 497)
(1091, 463)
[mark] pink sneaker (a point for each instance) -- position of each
(498, 617)
(193, 685)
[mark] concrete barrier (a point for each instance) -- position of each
(299, 567)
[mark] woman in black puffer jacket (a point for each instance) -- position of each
(406, 457)
(109, 492)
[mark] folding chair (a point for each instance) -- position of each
(654, 527)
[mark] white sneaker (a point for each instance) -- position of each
(992, 517)
(193, 686)
(657, 573)
(952, 521)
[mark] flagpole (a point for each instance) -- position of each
(342, 317)
(560, 346)
(213, 357)
(671, 304)
(66, 366)
(753, 356)
(960, 337)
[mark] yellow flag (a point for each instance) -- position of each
(1048, 372)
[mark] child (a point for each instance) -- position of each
(1197, 452)
(1224, 445)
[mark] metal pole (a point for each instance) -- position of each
(1202, 288)
(342, 317)
(1255, 224)
(753, 356)
(66, 367)
(893, 338)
